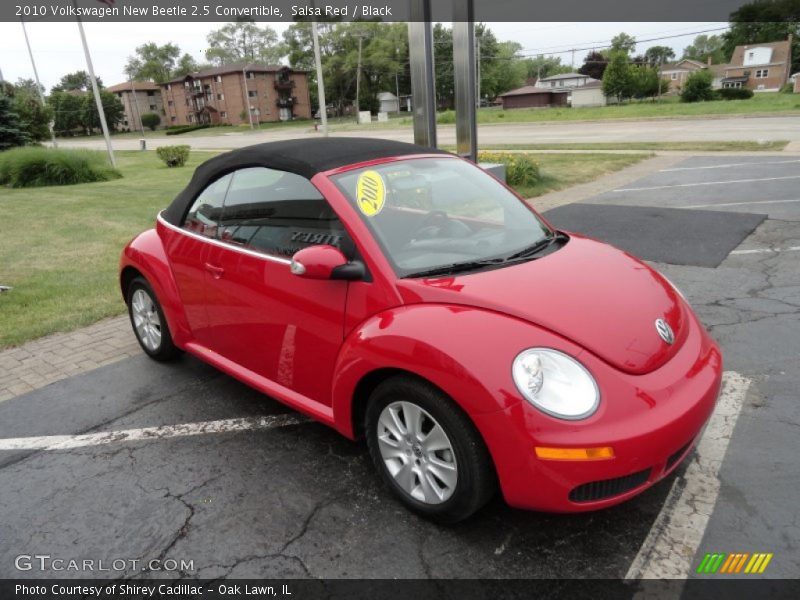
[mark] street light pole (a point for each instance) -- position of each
(323, 107)
(38, 83)
(247, 96)
(358, 77)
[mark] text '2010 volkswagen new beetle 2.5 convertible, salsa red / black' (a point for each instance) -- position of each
(404, 295)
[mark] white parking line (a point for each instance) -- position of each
(765, 250)
(68, 442)
(731, 165)
(742, 203)
(670, 547)
(680, 185)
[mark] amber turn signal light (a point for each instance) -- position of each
(575, 453)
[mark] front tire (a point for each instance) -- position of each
(428, 451)
(148, 322)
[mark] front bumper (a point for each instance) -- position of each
(651, 421)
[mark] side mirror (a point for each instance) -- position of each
(324, 262)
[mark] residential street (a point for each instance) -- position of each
(666, 130)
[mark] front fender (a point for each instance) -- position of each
(146, 254)
(467, 352)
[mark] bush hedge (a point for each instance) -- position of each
(173, 156)
(734, 94)
(151, 121)
(179, 129)
(36, 166)
(521, 169)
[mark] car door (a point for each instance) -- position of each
(187, 249)
(262, 317)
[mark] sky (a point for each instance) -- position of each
(57, 47)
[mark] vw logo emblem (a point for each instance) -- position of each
(665, 331)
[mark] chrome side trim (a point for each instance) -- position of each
(221, 244)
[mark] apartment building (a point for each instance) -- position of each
(237, 93)
(138, 98)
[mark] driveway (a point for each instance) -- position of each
(141, 461)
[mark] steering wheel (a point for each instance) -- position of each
(430, 226)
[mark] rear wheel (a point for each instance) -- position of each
(149, 324)
(427, 450)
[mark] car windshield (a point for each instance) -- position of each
(439, 215)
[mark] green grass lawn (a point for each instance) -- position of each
(668, 107)
(59, 246)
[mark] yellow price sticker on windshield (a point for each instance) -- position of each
(370, 193)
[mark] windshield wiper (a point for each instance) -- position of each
(534, 249)
(457, 267)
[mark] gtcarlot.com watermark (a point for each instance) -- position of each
(46, 562)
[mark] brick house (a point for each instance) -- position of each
(530, 96)
(759, 67)
(226, 94)
(138, 98)
(677, 73)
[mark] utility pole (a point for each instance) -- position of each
(660, 63)
(360, 37)
(247, 97)
(38, 84)
(96, 90)
(478, 72)
(573, 58)
(136, 106)
(323, 107)
(397, 91)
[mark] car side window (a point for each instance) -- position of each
(279, 213)
(204, 215)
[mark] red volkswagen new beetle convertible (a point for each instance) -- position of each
(403, 294)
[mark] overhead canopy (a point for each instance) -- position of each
(303, 157)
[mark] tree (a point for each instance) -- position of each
(618, 80)
(645, 81)
(112, 107)
(698, 86)
(244, 41)
(11, 133)
(594, 65)
(151, 121)
(77, 81)
(658, 55)
(764, 21)
(67, 109)
(186, 64)
(705, 46)
(34, 118)
(153, 62)
(622, 42)
(544, 66)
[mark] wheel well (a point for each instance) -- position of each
(126, 277)
(364, 390)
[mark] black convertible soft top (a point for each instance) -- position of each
(305, 157)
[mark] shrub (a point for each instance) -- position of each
(173, 156)
(521, 168)
(698, 87)
(734, 94)
(447, 117)
(36, 166)
(787, 88)
(179, 129)
(151, 121)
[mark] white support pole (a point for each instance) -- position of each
(38, 84)
(323, 107)
(135, 101)
(96, 90)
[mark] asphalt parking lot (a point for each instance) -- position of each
(291, 498)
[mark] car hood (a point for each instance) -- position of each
(587, 291)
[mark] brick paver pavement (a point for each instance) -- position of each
(61, 355)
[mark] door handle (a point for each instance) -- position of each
(216, 272)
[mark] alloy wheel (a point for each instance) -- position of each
(146, 320)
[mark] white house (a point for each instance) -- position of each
(565, 80)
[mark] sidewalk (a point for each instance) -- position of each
(61, 355)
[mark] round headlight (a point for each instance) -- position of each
(555, 383)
